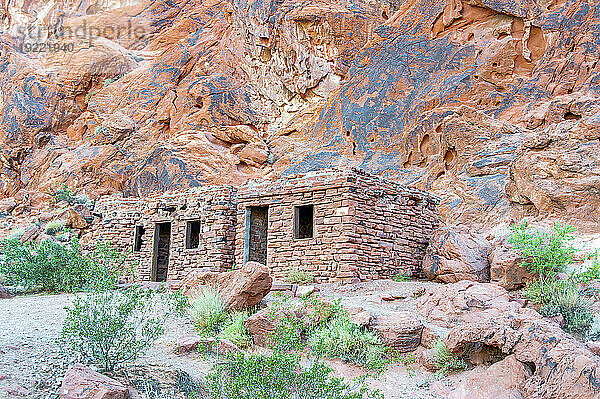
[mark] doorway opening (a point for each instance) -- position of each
(256, 237)
(162, 244)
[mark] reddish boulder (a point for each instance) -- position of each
(502, 380)
(193, 343)
(454, 254)
(241, 288)
(562, 366)
(82, 382)
(506, 269)
(73, 219)
(4, 294)
(462, 302)
(399, 330)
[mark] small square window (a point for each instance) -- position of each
(192, 234)
(137, 240)
(304, 221)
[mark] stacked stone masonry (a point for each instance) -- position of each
(364, 227)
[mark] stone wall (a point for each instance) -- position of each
(364, 227)
(213, 207)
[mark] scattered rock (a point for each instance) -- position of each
(242, 288)
(82, 382)
(506, 269)
(187, 344)
(305, 290)
(360, 316)
(392, 296)
(261, 325)
(400, 330)
(454, 254)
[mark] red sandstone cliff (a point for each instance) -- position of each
(491, 104)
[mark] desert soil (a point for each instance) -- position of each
(32, 365)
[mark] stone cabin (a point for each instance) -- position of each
(340, 225)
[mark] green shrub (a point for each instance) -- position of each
(294, 322)
(542, 291)
(55, 227)
(235, 330)
(591, 273)
(340, 338)
(56, 267)
(111, 328)
(544, 253)
(278, 376)
(64, 193)
(401, 277)
(575, 309)
(302, 277)
(446, 361)
(208, 310)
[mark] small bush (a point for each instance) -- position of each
(55, 227)
(446, 361)
(575, 309)
(542, 291)
(56, 267)
(279, 376)
(112, 328)
(302, 277)
(64, 193)
(544, 253)
(340, 338)
(235, 330)
(401, 277)
(208, 310)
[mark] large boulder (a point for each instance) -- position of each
(455, 254)
(73, 219)
(502, 380)
(399, 330)
(506, 269)
(82, 382)
(240, 289)
(562, 367)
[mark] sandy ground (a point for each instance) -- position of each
(32, 366)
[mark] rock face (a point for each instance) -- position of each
(81, 382)
(502, 380)
(483, 316)
(562, 366)
(399, 330)
(464, 302)
(506, 269)
(240, 289)
(454, 254)
(493, 105)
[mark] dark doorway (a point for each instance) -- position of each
(257, 227)
(162, 243)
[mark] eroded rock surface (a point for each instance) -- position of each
(474, 100)
(82, 382)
